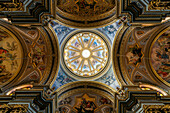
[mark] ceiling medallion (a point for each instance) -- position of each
(160, 56)
(10, 55)
(86, 54)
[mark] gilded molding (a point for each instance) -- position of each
(15, 5)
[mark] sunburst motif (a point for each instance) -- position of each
(85, 54)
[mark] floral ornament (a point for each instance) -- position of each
(107, 79)
(124, 19)
(59, 29)
(62, 79)
(46, 19)
(121, 92)
(110, 29)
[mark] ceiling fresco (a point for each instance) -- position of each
(85, 13)
(107, 32)
(84, 56)
(86, 8)
(160, 56)
(10, 55)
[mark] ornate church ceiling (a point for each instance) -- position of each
(84, 56)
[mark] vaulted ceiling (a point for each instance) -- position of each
(84, 55)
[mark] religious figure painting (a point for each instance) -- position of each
(160, 56)
(10, 56)
(85, 103)
(134, 55)
(86, 7)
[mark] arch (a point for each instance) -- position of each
(72, 95)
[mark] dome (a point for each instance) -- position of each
(85, 54)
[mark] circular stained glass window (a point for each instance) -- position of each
(86, 54)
